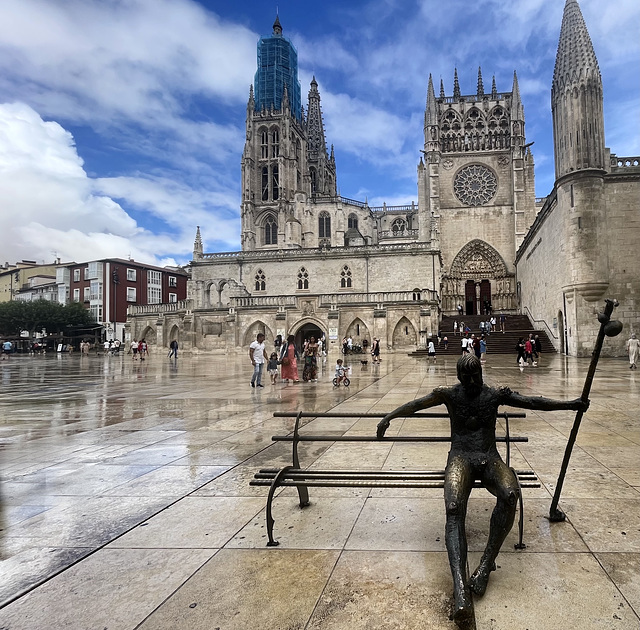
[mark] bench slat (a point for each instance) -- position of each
(366, 438)
(371, 483)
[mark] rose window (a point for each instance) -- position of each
(475, 185)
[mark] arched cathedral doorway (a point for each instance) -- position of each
(478, 278)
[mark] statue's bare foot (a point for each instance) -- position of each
(462, 609)
(480, 578)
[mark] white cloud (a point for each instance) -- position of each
(132, 60)
(51, 207)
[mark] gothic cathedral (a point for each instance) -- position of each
(314, 262)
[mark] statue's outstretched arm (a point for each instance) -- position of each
(541, 403)
(433, 399)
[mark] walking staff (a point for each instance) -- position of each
(608, 328)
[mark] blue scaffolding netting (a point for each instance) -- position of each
(277, 67)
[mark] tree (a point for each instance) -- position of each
(19, 315)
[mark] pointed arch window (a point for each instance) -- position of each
(352, 221)
(324, 225)
(303, 279)
(275, 182)
(270, 230)
(261, 281)
(345, 278)
(264, 144)
(265, 183)
(314, 180)
(275, 143)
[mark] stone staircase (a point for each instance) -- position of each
(516, 326)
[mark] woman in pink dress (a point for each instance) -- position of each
(288, 360)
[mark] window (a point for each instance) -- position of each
(173, 297)
(173, 281)
(265, 183)
(87, 293)
(314, 180)
(261, 282)
(86, 273)
(345, 278)
(96, 312)
(275, 143)
(154, 278)
(154, 295)
(303, 279)
(275, 183)
(270, 231)
(324, 225)
(131, 294)
(96, 290)
(76, 292)
(76, 275)
(131, 275)
(398, 226)
(264, 147)
(352, 221)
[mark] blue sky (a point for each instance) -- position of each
(122, 121)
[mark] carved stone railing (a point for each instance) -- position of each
(170, 307)
(379, 297)
(315, 252)
(264, 300)
(627, 162)
(398, 234)
(408, 207)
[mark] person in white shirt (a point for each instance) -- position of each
(258, 356)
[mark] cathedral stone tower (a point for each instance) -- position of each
(285, 160)
(476, 192)
(578, 129)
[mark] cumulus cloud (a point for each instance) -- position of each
(51, 207)
(132, 60)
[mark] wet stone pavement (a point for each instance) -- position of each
(124, 501)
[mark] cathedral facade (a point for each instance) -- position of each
(314, 262)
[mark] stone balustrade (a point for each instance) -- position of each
(171, 307)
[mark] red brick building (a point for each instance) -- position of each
(108, 286)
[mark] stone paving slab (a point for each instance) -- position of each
(124, 501)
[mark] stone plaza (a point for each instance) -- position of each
(125, 500)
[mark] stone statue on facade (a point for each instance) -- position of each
(473, 408)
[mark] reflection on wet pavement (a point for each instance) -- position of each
(113, 461)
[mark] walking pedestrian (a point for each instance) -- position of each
(633, 348)
(432, 350)
(258, 356)
(173, 349)
(272, 367)
(520, 350)
(375, 350)
(483, 350)
(288, 360)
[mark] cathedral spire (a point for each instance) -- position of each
(517, 111)
(197, 245)
(480, 84)
(575, 57)
(442, 95)
(494, 89)
(315, 125)
(431, 115)
(456, 85)
(578, 123)
(277, 27)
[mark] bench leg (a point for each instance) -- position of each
(274, 485)
(520, 544)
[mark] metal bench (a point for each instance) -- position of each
(302, 479)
